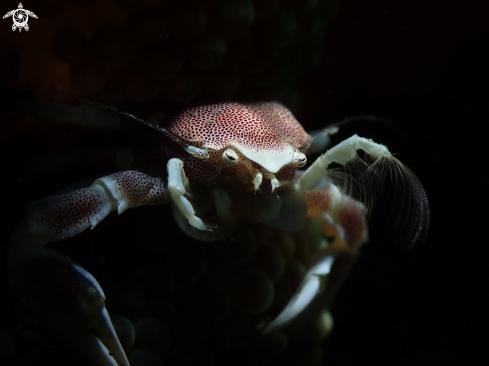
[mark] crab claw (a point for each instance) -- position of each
(65, 298)
(316, 290)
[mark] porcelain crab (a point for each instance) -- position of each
(217, 165)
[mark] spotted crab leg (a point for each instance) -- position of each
(65, 296)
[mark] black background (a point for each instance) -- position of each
(423, 65)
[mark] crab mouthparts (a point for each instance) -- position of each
(258, 179)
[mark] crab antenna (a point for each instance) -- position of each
(190, 149)
(390, 124)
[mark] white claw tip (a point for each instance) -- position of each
(257, 181)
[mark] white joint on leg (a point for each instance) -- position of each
(109, 185)
(346, 150)
(178, 186)
(373, 148)
(109, 204)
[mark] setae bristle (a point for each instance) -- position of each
(388, 188)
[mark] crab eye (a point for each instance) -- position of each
(230, 157)
(300, 159)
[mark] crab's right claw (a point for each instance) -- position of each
(66, 300)
(178, 186)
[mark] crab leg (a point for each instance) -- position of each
(337, 216)
(321, 139)
(178, 186)
(413, 211)
(59, 217)
(342, 153)
(309, 290)
(63, 294)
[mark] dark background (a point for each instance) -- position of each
(424, 66)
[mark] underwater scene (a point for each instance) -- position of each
(238, 182)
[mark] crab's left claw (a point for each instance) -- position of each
(66, 300)
(316, 290)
